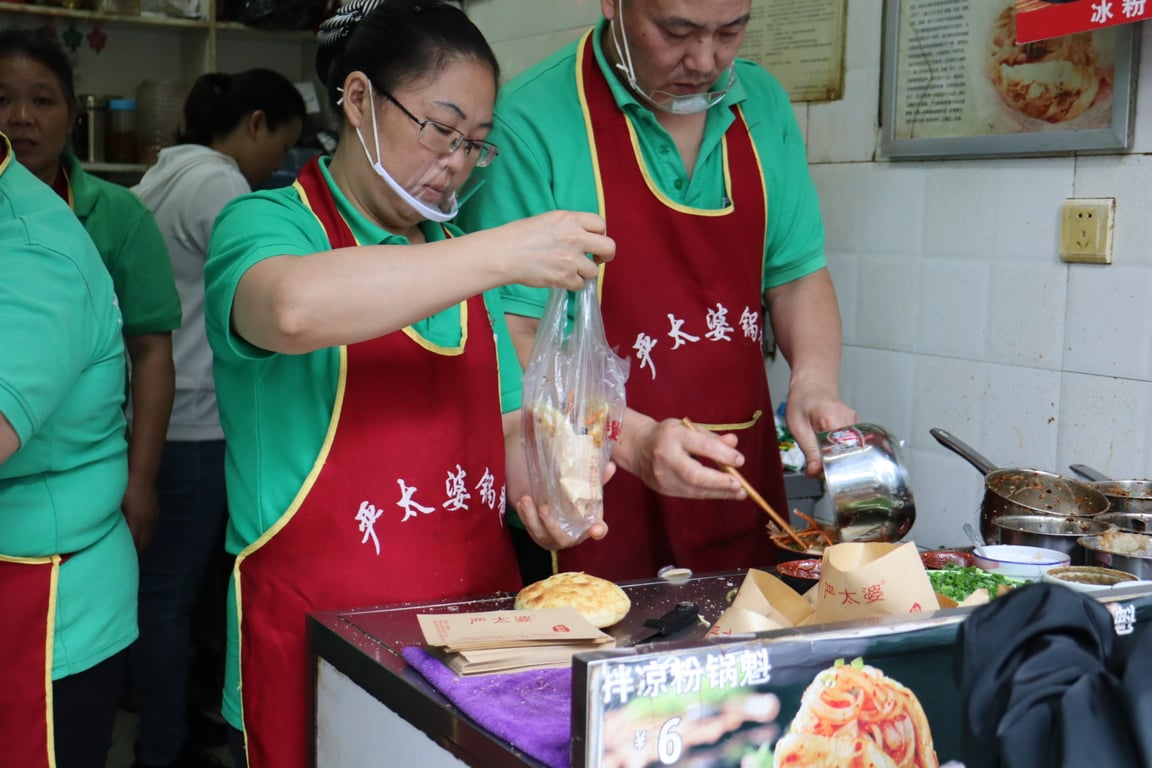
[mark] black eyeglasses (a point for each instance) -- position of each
(444, 139)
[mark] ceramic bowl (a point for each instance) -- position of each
(1019, 562)
(801, 569)
(936, 559)
(1089, 578)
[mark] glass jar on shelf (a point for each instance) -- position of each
(160, 113)
(120, 133)
(90, 135)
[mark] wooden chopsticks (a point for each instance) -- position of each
(754, 495)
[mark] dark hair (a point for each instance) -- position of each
(45, 51)
(396, 42)
(219, 102)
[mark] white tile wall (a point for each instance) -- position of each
(958, 312)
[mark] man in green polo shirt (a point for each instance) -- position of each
(695, 160)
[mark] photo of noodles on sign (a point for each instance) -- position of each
(853, 714)
(957, 82)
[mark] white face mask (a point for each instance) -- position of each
(685, 104)
(424, 209)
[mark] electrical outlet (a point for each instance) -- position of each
(1086, 230)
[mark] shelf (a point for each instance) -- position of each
(114, 167)
(235, 27)
(68, 13)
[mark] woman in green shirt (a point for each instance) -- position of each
(37, 111)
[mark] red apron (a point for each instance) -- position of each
(683, 298)
(28, 594)
(405, 502)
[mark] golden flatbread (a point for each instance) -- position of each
(598, 600)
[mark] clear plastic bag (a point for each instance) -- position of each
(574, 398)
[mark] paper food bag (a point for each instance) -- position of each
(860, 580)
(857, 581)
(763, 602)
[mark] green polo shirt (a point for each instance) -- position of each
(132, 248)
(62, 390)
(545, 163)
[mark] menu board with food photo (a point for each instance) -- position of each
(957, 82)
(849, 701)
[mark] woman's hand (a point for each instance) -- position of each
(550, 250)
(544, 526)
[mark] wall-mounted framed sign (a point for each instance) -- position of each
(801, 42)
(956, 84)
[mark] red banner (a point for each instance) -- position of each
(1041, 19)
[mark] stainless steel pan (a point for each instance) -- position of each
(1011, 491)
(1124, 495)
(1124, 551)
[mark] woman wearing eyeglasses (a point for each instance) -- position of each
(362, 364)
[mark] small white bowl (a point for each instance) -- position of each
(1019, 562)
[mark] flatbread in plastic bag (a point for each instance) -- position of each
(574, 399)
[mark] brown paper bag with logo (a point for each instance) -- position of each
(861, 580)
(763, 602)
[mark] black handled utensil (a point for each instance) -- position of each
(684, 615)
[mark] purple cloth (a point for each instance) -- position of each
(532, 710)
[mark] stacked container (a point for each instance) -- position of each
(161, 110)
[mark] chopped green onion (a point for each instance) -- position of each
(958, 582)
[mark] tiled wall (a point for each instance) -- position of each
(981, 330)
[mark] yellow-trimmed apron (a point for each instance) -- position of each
(404, 502)
(28, 594)
(683, 297)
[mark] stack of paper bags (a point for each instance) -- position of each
(501, 641)
(857, 581)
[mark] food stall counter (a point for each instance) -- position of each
(688, 700)
(371, 705)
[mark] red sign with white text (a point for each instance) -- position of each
(1042, 19)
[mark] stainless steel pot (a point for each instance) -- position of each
(1050, 532)
(1133, 522)
(1123, 495)
(1024, 491)
(1128, 552)
(867, 482)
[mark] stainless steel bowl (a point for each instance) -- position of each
(1133, 522)
(1049, 532)
(867, 483)
(1124, 551)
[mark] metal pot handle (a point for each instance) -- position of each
(955, 444)
(1086, 471)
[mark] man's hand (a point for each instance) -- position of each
(666, 456)
(809, 412)
(141, 509)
